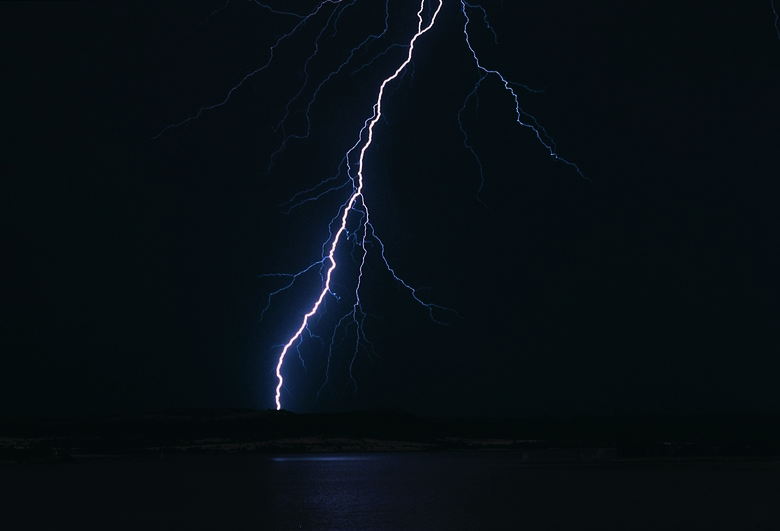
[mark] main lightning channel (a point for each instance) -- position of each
(357, 194)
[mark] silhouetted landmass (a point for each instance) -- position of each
(714, 438)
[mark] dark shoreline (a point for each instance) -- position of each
(705, 440)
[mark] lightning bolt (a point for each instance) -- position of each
(356, 203)
(352, 223)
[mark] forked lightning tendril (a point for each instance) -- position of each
(777, 18)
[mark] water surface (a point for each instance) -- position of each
(392, 491)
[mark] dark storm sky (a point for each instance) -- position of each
(132, 266)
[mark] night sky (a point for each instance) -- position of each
(132, 277)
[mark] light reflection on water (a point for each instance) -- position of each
(325, 457)
(383, 492)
